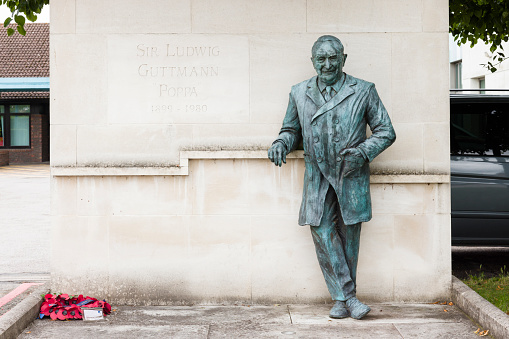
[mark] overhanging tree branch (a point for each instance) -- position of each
(21, 10)
(481, 20)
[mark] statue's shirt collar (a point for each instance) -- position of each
(336, 86)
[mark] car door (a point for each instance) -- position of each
(480, 171)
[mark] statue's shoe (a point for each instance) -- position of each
(356, 308)
(339, 310)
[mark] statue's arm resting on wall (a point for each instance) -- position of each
(289, 135)
(383, 134)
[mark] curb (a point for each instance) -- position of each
(480, 310)
(20, 316)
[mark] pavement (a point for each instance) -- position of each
(386, 320)
(24, 206)
(274, 321)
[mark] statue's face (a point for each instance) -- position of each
(328, 63)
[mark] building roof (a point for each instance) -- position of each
(25, 56)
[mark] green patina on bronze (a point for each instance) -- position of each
(329, 114)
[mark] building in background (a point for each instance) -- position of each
(456, 64)
(467, 70)
(24, 116)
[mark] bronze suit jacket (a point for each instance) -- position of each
(326, 129)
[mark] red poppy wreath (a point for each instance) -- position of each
(66, 307)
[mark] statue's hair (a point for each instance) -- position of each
(336, 43)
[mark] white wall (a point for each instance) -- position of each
(168, 226)
(473, 58)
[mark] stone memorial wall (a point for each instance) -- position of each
(161, 116)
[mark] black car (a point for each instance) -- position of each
(480, 169)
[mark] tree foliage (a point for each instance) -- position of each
(484, 20)
(21, 10)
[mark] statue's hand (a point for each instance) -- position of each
(277, 154)
(353, 160)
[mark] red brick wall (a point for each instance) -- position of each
(4, 158)
(37, 149)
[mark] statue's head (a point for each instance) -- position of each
(328, 58)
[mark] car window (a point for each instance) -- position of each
(480, 129)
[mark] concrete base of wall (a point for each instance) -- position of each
(222, 229)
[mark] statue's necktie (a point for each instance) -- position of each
(328, 94)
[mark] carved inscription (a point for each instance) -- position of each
(170, 70)
(178, 78)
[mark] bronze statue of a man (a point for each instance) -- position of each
(329, 113)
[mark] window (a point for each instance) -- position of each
(15, 126)
(480, 129)
(482, 84)
(456, 75)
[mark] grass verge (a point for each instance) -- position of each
(494, 289)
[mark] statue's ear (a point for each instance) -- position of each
(344, 58)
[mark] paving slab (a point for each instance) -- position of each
(381, 313)
(275, 321)
(202, 315)
(87, 330)
(438, 330)
(370, 331)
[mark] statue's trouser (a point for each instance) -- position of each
(337, 249)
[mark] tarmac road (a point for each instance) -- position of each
(24, 222)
